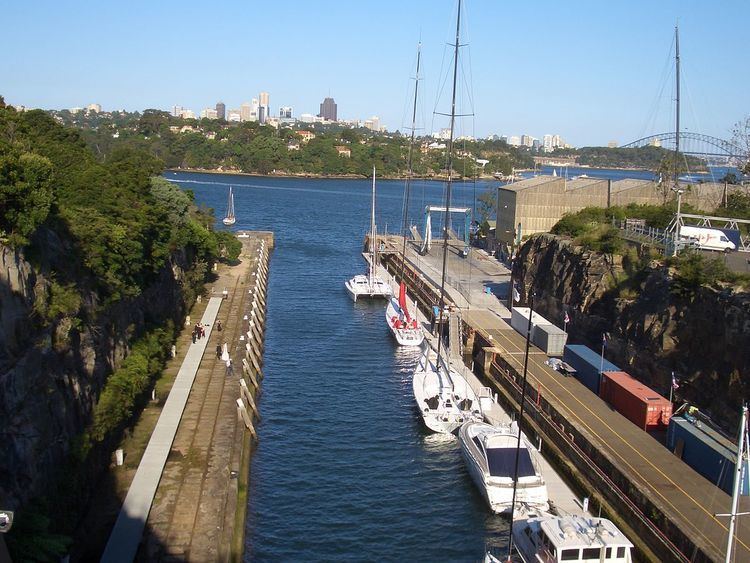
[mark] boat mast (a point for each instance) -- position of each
(373, 245)
(738, 474)
(677, 108)
(407, 189)
(450, 178)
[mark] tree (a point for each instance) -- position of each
(25, 194)
(741, 138)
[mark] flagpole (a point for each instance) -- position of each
(601, 365)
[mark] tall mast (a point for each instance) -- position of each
(677, 107)
(738, 474)
(373, 245)
(450, 175)
(407, 190)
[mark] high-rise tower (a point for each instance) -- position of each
(221, 110)
(328, 109)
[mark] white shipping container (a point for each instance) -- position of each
(519, 320)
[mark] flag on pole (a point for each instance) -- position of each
(604, 339)
(516, 295)
(566, 320)
(675, 385)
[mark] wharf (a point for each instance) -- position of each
(562, 498)
(663, 506)
(197, 511)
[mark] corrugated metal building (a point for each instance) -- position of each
(535, 205)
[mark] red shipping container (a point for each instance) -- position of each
(632, 399)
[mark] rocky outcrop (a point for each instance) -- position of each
(53, 368)
(652, 329)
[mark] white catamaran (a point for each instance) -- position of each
(370, 285)
(230, 219)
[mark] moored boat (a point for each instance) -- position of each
(404, 328)
(555, 539)
(490, 456)
(444, 398)
(370, 285)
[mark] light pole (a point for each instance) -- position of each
(678, 219)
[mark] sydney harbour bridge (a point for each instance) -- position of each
(712, 149)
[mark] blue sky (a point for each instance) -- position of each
(591, 71)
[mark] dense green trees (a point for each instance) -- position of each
(120, 223)
(250, 147)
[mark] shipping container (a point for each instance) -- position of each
(519, 320)
(706, 450)
(549, 338)
(588, 365)
(640, 404)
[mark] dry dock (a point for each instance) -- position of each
(187, 499)
(665, 507)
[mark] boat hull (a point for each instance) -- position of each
(229, 222)
(405, 336)
(443, 403)
(531, 493)
(360, 286)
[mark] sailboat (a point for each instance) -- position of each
(444, 398)
(405, 328)
(230, 219)
(370, 285)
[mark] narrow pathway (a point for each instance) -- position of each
(126, 535)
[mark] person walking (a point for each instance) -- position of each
(218, 326)
(193, 335)
(230, 369)
(218, 351)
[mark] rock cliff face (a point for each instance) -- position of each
(51, 372)
(652, 329)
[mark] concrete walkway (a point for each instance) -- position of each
(126, 535)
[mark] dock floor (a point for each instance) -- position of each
(688, 500)
(193, 513)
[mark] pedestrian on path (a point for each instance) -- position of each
(193, 335)
(218, 351)
(203, 331)
(230, 369)
(174, 351)
(218, 326)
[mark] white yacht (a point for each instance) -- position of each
(555, 539)
(490, 456)
(443, 396)
(230, 218)
(404, 328)
(370, 285)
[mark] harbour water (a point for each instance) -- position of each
(344, 469)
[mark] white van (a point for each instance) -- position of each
(706, 238)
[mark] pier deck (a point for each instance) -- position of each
(649, 487)
(193, 516)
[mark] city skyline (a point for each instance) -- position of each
(592, 74)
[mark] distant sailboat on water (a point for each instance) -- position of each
(230, 219)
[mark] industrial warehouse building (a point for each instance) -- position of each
(535, 205)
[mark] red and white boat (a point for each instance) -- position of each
(405, 328)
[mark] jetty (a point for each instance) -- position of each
(188, 496)
(667, 509)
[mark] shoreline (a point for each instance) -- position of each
(319, 176)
